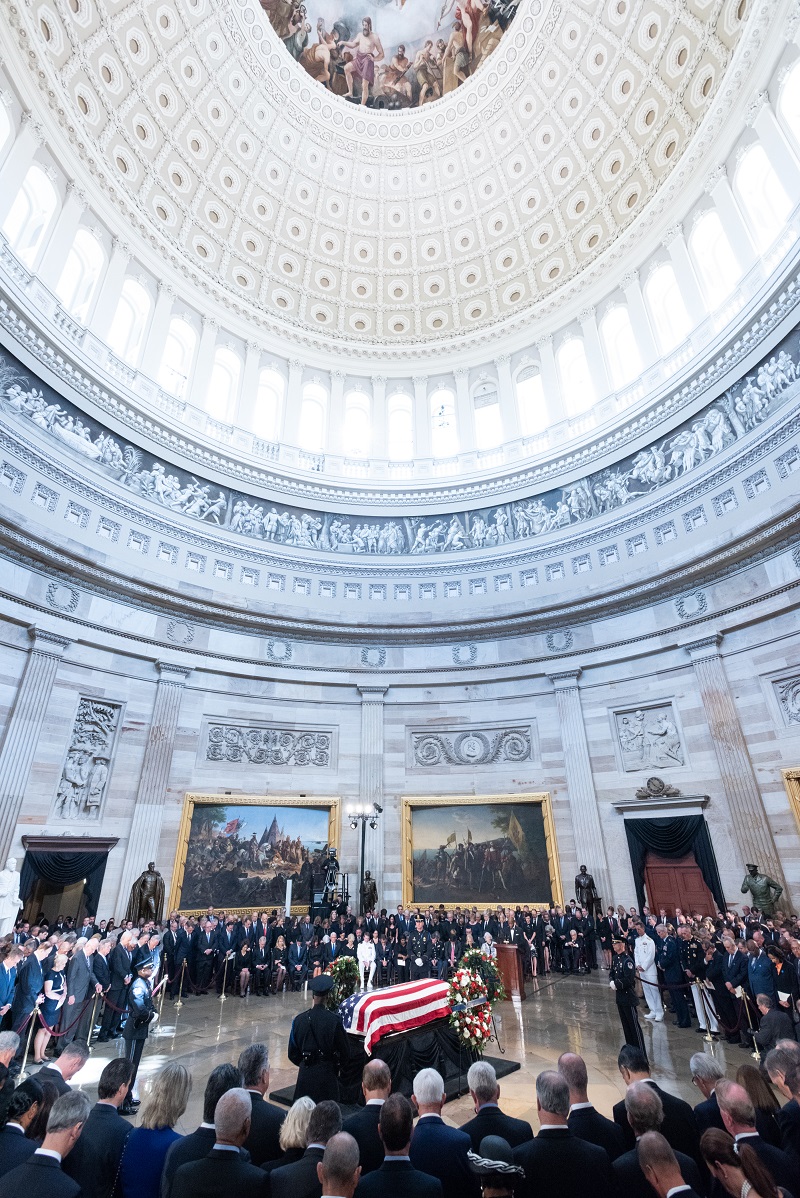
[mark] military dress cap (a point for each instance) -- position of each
(494, 1157)
(145, 963)
(321, 985)
(750, 865)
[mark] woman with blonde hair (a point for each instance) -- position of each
(147, 1146)
(55, 993)
(293, 1134)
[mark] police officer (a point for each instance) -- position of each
(623, 980)
(420, 950)
(669, 961)
(318, 1044)
(141, 1014)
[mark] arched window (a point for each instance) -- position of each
(530, 401)
(267, 410)
(666, 307)
(30, 215)
(576, 381)
(176, 364)
(619, 343)
(223, 386)
(488, 421)
(130, 320)
(713, 257)
(789, 103)
(444, 434)
(356, 436)
(311, 432)
(81, 274)
(400, 427)
(762, 196)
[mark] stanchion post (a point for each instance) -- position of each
(34, 1013)
(91, 1023)
(224, 978)
(755, 1054)
(179, 1003)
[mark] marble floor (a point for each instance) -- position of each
(573, 1013)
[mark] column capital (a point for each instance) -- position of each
(378, 380)
(705, 646)
(173, 674)
(372, 692)
(630, 279)
(716, 176)
(420, 380)
(339, 375)
(759, 101)
(566, 679)
(502, 360)
(672, 234)
(295, 364)
(544, 341)
(210, 323)
(587, 314)
(48, 642)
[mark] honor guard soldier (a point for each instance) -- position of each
(623, 981)
(420, 948)
(318, 1044)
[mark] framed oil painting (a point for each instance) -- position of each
(479, 851)
(237, 853)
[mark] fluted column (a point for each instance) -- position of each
(735, 226)
(687, 280)
(777, 145)
(294, 404)
(380, 448)
(110, 290)
(156, 339)
(507, 395)
(590, 847)
(335, 424)
(422, 417)
(551, 386)
(640, 321)
(62, 235)
(370, 778)
(465, 411)
(594, 353)
(248, 392)
(747, 815)
(24, 728)
(17, 162)
(204, 364)
(144, 837)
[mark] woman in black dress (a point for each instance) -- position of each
(242, 968)
(280, 964)
(401, 959)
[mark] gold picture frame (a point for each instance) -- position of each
(192, 800)
(791, 780)
(541, 799)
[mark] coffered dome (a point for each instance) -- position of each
(350, 228)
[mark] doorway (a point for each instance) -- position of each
(671, 883)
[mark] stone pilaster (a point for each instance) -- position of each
(144, 837)
(590, 849)
(748, 817)
(25, 727)
(370, 783)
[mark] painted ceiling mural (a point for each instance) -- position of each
(726, 420)
(390, 54)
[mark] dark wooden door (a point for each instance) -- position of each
(673, 883)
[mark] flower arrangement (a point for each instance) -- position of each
(475, 979)
(344, 972)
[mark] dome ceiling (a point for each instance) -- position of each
(348, 227)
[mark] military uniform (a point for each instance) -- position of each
(419, 949)
(693, 961)
(623, 979)
(317, 1043)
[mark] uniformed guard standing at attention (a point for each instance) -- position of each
(623, 980)
(420, 950)
(318, 1044)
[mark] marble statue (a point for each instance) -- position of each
(9, 897)
(764, 890)
(84, 775)
(147, 896)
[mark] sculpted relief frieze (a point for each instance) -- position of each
(648, 738)
(85, 773)
(711, 431)
(787, 692)
(473, 746)
(267, 745)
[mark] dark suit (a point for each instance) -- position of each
(735, 969)
(782, 1166)
(788, 1119)
(588, 1124)
(398, 1179)
(80, 980)
(38, 1177)
(678, 1128)
(298, 1180)
(775, 1025)
(191, 1148)
(262, 1143)
(219, 1175)
(557, 1162)
(48, 1074)
(441, 1151)
(631, 1181)
(119, 965)
(707, 1114)
(94, 1160)
(491, 1121)
(363, 1127)
(15, 1147)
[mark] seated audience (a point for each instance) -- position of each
(95, 1159)
(164, 1102)
(301, 1179)
(262, 1143)
(15, 1147)
(397, 1177)
(376, 1084)
(738, 1171)
(706, 1071)
(489, 1119)
(223, 1171)
(556, 1161)
(584, 1121)
(646, 1113)
(41, 1175)
(436, 1149)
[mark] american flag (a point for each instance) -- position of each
(394, 1009)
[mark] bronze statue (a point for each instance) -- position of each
(585, 890)
(765, 891)
(369, 893)
(147, 896)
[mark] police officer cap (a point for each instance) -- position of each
(619, 940)
(322, 984)
(494, 1157)
(145, 963)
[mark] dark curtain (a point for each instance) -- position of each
(436, 1046)
(675, 837)
(65, 869)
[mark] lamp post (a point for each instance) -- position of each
(364, 814)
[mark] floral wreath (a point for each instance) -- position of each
(345, 974)
(475, 978)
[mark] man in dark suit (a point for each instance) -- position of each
(437, 1149)
(41, 1175)
(28, 990)
(62, 1071)
(668, 960)
(678, 1128)
(739, 1117)
(94, 1161)
(376, 1084)
(301, 1179)
(200, 1142)
(225, 945)
(706, 1072)
(646, 1113)
(775, 1025)
(397, 1177)
(489, 1119)
(339, 1170)
(202, 955)
(176, 951)
(584, 1121)
(783, 1066)
(121, 970)
(556, 1161)
(266, 1119)
(15, 1147)
(80, 987)
(661, 1169)
(223, 1171)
